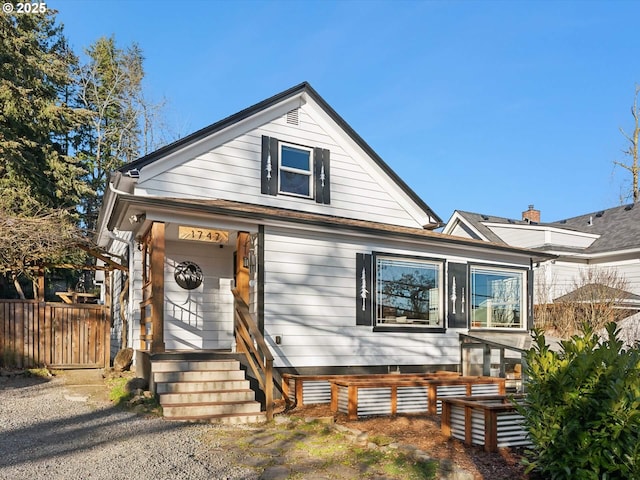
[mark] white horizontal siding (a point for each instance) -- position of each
(520, 237)
(309, 291)
(569, 239)
(527, 236)
(629, 270)
(135, 295)
(554, 279)
(460, 231)
(232, 172)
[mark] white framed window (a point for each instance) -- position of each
(296, 170)
(409, 292)
(497, 297)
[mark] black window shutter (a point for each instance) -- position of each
(364, 289)
(269, 166)
(457, 295)
(530, 299)
(322, 175)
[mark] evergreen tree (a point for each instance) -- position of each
(37, 173)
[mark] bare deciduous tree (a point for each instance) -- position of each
(632, 153)
(597, 296)
(30, 241)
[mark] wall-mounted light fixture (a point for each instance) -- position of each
(248, 255)
(136, 218)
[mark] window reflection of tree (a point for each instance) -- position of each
(406, 295)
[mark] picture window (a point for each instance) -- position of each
(408, 292)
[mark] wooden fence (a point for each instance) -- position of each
(56, 335)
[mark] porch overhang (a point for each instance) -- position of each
(127, 205)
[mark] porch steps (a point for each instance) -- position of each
(205, 390)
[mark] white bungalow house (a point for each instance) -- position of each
(584, 248)
(284, 208)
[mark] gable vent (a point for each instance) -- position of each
(292, 117)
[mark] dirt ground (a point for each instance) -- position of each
(423, 431)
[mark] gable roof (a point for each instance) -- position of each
(618, 228)
(302, 88)
(476, 221)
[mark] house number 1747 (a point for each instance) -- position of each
(203, 234)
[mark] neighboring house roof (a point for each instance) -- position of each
(591, 291)
(478, 220)
(303, 88)
(616, 229)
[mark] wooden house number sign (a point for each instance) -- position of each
(203, 234)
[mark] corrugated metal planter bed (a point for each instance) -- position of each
(392, 394)
(490, 421)
(316, 389)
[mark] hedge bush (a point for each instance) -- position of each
(582, 408)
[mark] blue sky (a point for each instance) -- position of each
(485, 106)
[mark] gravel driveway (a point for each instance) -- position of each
(48, 431)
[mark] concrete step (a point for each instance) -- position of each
(232, 419)
(207, 397)
(184, 387)
(198, 376)
(210, 410)
(193, 365)
(205, 390)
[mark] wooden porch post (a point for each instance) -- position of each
(157, 287)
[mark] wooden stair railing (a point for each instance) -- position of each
(251, 343)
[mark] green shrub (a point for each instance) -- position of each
(582, 409)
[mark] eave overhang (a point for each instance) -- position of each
(125, 204)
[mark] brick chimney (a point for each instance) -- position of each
(531, 215)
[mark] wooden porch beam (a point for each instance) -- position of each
(99, 255)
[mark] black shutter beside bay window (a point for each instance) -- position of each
(269, 166)
(364, 289)
(322, 175)
(457, 295)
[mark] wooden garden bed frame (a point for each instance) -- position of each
(490, 421)
(316, 389)
(393, 394)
